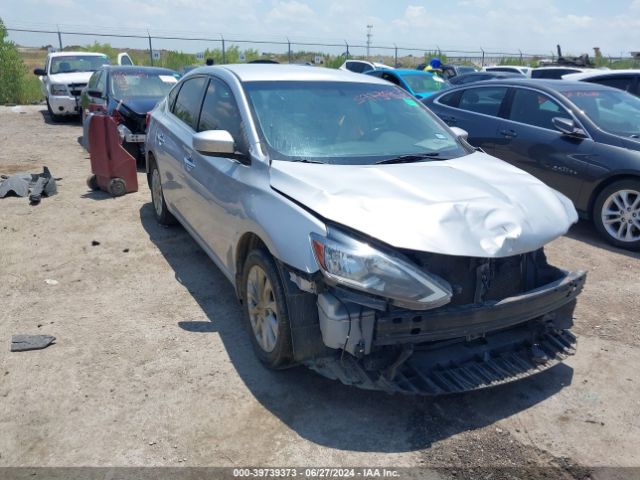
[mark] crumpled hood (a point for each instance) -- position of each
(475, 205)
(68, 78)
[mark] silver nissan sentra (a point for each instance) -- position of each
(364, 238)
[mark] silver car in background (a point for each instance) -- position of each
(364, 238)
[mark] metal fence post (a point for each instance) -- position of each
(289, 49)
(345, 42)
(482, 62)
(395, 55)
(150, 48)
(224, 55)
(59, 37)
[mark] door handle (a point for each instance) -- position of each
(189, 164)
(509, 133)
(160, 138)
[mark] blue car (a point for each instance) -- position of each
(417, 83)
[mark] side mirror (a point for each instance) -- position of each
(213, 142)
(568, 127)
(94, 93)
(40, 72)
(460, 133)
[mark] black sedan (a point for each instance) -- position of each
(581, 139)
(480, 76)
(127, 94)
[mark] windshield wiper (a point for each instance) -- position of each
(412, 157)
(305, 160)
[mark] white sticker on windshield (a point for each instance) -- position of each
(440, 136)
(168, 78)
(438, 79)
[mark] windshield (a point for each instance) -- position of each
(141, 84)
(614, 111)
(346, 123)
(425, 82)
(77, 63)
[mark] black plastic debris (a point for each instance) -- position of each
(21, 184)
(23, 343)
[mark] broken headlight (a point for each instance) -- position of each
(349, 262)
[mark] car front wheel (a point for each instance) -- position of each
(53, 116)
(616, 214)
(266, 310)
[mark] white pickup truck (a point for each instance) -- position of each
(64, 75)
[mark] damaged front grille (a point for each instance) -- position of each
(503, 359)
(477, 280)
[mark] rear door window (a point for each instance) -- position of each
(390, 78)
(357, 67)
(485, 100)
(535, 108)
(189, 101)
(450, 99)
(620, 82)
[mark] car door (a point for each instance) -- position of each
(529, 141)
(173, 142)
(217, 182)
(476, 110)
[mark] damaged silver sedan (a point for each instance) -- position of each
(364, 238)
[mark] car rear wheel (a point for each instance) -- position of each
(616, 214)
(266, 310)
(162, 214)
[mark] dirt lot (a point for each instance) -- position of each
(152, 365)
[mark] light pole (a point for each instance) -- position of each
(369, 35)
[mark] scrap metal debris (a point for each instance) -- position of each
(20, 184)
(23, 343)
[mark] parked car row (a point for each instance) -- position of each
(371, 238)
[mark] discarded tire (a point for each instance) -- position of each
(117, 187)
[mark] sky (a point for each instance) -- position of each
(528, 26)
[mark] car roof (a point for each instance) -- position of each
(411, 71)
(138, 69)
(564, 67)
(600, 73)
(73, 54)
(550, 85)
(257, 72)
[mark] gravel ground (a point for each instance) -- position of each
(152, 365)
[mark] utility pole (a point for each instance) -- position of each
(369, 35)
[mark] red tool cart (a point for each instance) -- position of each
(113, 168)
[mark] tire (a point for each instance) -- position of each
(616, 214)
(54, 118)
(162, 214)
(117, 187)
(92, 182)
(265, 310)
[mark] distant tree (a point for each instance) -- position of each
(12, 70)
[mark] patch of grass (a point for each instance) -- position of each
(30, 91)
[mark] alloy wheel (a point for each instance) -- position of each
(262, 307)
(621, 215)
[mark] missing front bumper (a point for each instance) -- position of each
(502, 358)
